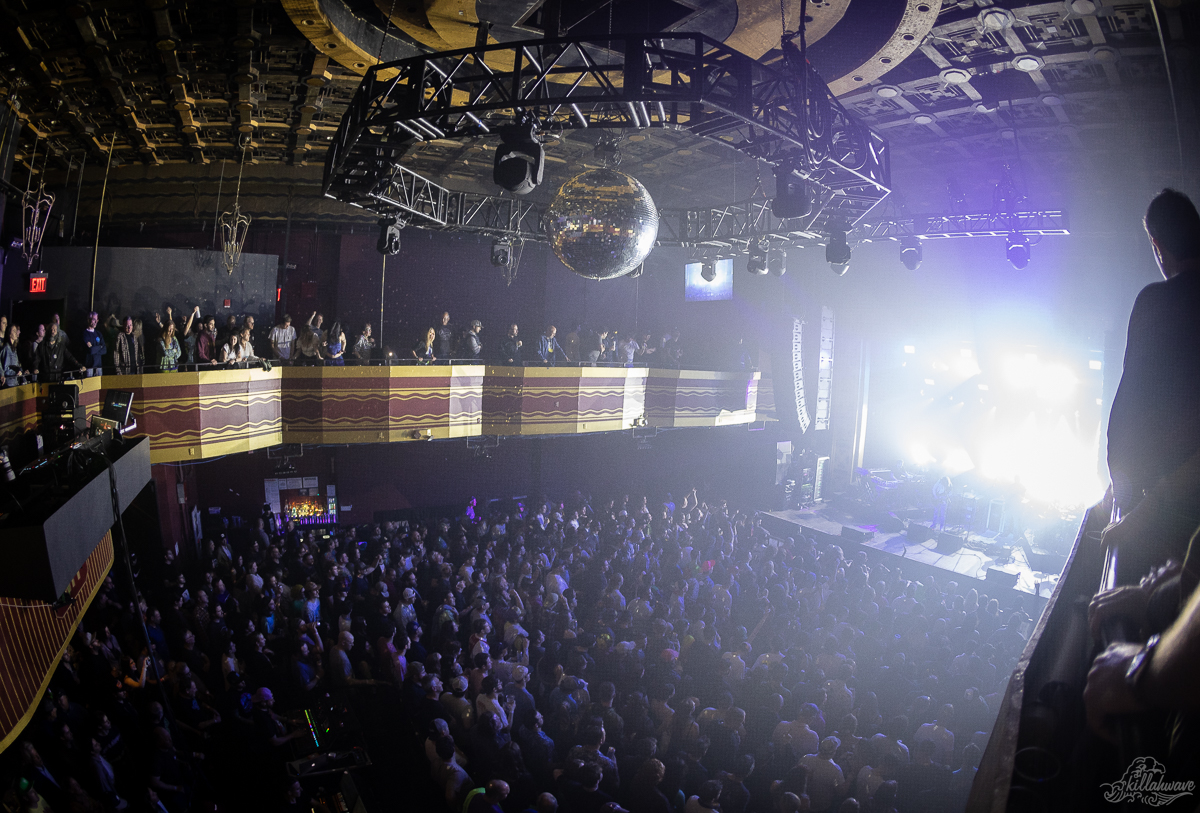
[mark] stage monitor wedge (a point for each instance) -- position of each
(949, 543)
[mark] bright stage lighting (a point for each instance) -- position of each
(520, 161)
(837, 251)
(918, 455)
(777, 262)
(1095, 364)
(756, 263)
(910, 349)
(1053, 382)
(1051, 462)
(957, 461)
(910, 253)
(1016, 249)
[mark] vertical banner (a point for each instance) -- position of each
(798, 373)
(825, 369)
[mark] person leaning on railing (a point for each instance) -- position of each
(365, 345)
(13, 371)
(307, 350)
(1159, 675)
(54, 356)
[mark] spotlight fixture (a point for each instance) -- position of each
(389, 235)
(708, 270)
(1016, 249)
(911, 253)
(502, 253)
(520, 159)
(757, 262)
(792, 195)
(837, 250)
(777, 262)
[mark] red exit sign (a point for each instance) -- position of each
(37, 283)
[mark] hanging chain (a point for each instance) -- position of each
(387, 25)
(241, 166)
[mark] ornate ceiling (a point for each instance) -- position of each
(178, 88)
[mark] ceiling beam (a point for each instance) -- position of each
(175, 78)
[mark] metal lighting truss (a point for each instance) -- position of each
(979, 224)
(778, 114)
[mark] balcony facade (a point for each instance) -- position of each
(199, 415)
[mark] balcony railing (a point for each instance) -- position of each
(194, 415)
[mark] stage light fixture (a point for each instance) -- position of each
(837, 251)
(1016, 249)
(756, 263)
(792, 195)
(777, 262)
(389, 235)
(708, 270)
(520, 159)
(911, 253)
(502, 253)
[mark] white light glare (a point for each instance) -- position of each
(1054, 382)
(1052, 463)
(1094, 364)
(919, 454)
(983, 387)
(965, 352)
(929, 381)
(908, 348)
(957, 461)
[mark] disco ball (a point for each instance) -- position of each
(602, 224)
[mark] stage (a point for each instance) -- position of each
(971, 555)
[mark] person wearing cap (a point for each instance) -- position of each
(826, 784)
(406, 610)
(472, 345)
(525, 707)
(461, 710)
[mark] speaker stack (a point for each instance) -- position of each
(62, 417)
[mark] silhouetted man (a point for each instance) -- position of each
(1154, 426)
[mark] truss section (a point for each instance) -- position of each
(980, 224)
(782, 114)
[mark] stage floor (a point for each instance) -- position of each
(967, 561)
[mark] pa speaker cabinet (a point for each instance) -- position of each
(949, 543)
(918, 533)
(1002, 578)
(61, 398)
(856, 535)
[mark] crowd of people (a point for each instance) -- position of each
(582, 656)
(196, 342)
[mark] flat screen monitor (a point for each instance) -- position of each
(117, 405)
(698, 289)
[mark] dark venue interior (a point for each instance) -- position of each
(599, 406)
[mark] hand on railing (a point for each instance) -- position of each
(1128, 604)
(1108, 693)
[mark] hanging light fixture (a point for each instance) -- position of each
(235, 225)
(35, 212)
